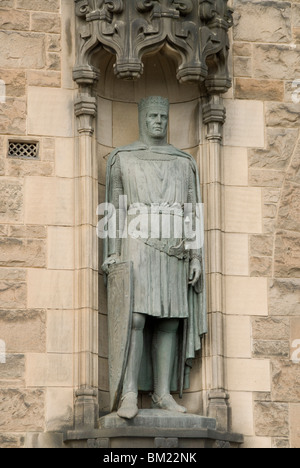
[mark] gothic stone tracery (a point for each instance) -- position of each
(196, 29)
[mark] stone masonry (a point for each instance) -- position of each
(261, 213)
(36, 225)
(266, 69)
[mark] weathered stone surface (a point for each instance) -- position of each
(53, 42)
(284, 297)
(15, 20)
(46, 440)
(264, 90)
(59, 409)
(281, 144)
(13, 369)
(266, 21)
(242, 66)
(293, 173)
(289, 210)
(31, 232)
(287, 255)
(39, 5)
(270, 328)
(44, 78)
(270, 200)
(295, 425)
(12, 274)
(282, 115)
(286, 381)
(271, 419)
(13, 116)
(22, 252)
(265, 178)
(21, 410)
(276, 62)
(269, 225)
(9, 441)
(296, 15)
(242, 49)
(269, 210)
(22, 50)
(20, 168)
(280, 443)
(2, 167)
(261, 245)
(4, 229)
(296, 35)
(271, 348)
(53, 61)
(262, 396)
(24, 331)
(15, 81)
(7, 3)
(13, 295)
(45, 22)
(261, 266)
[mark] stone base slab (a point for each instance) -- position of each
(150, 429)
(158, 419)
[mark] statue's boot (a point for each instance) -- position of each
(167, 403)
(164, 348)
(129, 407)
(129, 402)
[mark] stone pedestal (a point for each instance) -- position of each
(155, 429)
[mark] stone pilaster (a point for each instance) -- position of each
(214, 115)
(86, 291)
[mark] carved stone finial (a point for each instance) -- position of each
(196, 29)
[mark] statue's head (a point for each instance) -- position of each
(153, 119)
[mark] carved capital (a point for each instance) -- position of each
(85, 75)
(214, 116)
(86, 111)
(196, 29)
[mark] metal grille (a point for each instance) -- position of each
(23, 150)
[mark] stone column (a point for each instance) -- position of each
(214, 118)
(86, 254)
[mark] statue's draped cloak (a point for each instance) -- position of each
(189, 303)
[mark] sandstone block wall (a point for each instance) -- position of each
(36, 219)
(262, 214)
(261, 229)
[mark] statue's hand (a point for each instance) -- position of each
(112, 260)
(195, 271)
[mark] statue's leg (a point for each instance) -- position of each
(129, 407)
(164, 348)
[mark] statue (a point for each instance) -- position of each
(168, 303)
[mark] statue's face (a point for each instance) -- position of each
(157, 123)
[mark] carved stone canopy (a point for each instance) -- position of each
(196, 29)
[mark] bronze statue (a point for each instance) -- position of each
(167, 315)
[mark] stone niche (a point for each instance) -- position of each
(127, 51)
(117, 125)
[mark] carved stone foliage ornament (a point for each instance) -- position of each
(196, 29)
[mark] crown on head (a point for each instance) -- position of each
(153, 101)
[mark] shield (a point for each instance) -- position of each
(120, 298)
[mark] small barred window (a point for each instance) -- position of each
(23, 150)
